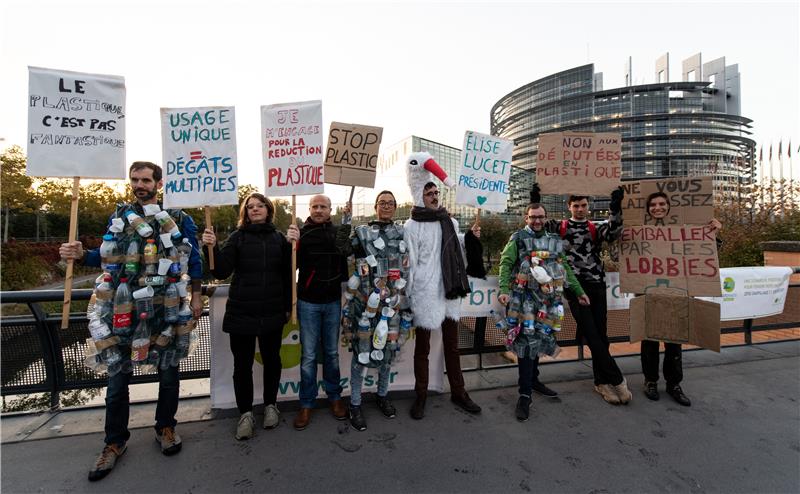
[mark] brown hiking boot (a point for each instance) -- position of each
(106, 461)
(624, 394)
(169, 440)
(302, 419)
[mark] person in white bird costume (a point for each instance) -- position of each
(438, 277)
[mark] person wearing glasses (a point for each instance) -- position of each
(535, 298)
(379, 250)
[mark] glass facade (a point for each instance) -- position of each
(668, 128)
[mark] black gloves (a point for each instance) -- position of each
(536, 194)
(615, 206)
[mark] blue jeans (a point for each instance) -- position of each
(319, 322)
(357, 379)
(118, 403)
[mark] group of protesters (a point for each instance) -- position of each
(397, 273)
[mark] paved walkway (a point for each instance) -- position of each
(742, 434)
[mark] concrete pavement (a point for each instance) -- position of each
(742, 434)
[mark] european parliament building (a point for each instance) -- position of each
(687, 128)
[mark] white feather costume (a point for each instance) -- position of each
(424, 241)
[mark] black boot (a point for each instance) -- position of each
(523, 409)
(677, 394)
(418, 408)
(651, 390)
(386, 407)
(544, 390)
(357, 418)
(465, 402)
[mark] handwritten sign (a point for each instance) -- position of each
(690, 200)
(485, 172)
(579, 163)
(669, 256)
(352, 154)
(291, 143)
(76, 124)
(199, 150)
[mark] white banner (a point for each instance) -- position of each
(482, 299)
(199, 156)
(484, 172)
(616, 299)
(76, 124)
(222, 395)
(291, 142)
(751, 292)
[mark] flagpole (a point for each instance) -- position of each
(780, 174)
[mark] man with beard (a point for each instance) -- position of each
(145, 181)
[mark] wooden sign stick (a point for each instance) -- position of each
(210, 226)
(352, 189)
(294, 263)
(73, 233)
(478, 217)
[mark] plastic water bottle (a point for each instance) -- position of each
(499, 321)
(132, 258)
(513, 309)
(167, 224)
(184, 251)
(184, 314)
(139, 224)
(107, 250)
(151, 257)
(175, 267)
(104, 298)
(381, 333)
(99, 329)
(171, 302)
(123, 309)
(364, 340)
(527, 317)
(140, 343)
(373, 302)
(353, 284)
(394, 332)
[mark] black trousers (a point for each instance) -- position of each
(528, 374)
(673, 362)
(243, 347)
(452, 358)
(592, 327)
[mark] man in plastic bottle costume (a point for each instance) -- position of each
(162, 307)
(533, 276)
(377, 316)
(438, 278)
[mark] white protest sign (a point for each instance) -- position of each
(199, 152)
(484, 172)
(291, 143)
(401, 377)
(751, 292)
(76, 124)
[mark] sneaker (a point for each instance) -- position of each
(544, 390)
(244, 430)
(272, 417)
(106, 461)
(607, 392)
(523, 409)
(466, 403)
(625, 395)
(357, 419)
(169, 440)
(677, 394)
(651, 390)
(386, 407)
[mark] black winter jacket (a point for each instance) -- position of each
(322, 266)
(260, 259)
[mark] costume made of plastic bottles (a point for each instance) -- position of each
(535, 309)
(376, 318)
(138, 317)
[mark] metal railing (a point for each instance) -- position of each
(38, 356)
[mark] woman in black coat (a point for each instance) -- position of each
(259, 257)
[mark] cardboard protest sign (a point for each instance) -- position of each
(673, 256)
(352, 154)
(76, 124)
(485, 172)
(668, 314)
(579, 162)
(690, 199)
(291, 142)
(199, 156)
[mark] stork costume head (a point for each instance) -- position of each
(421, 168)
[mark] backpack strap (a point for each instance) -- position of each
(593, 231)
(563, 230)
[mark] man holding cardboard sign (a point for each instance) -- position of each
(583, 241)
